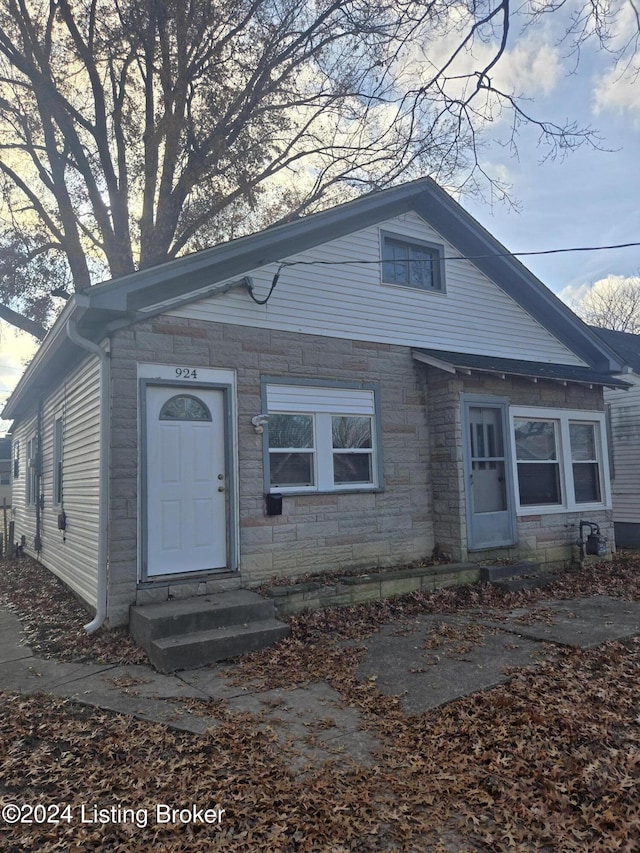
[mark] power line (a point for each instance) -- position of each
(505, 254)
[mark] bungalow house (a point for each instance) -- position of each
(355, 388)
(623, 412)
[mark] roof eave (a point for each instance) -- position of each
(192, 273)
(442, 363)
(56, 352)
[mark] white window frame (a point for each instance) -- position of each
(363, 403)
(32, 472)
(562, 419)
(435, 249)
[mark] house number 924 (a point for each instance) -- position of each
(186, 373)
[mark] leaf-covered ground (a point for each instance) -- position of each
(547, 762)
(53, 618)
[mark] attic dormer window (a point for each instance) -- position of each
(412, 263)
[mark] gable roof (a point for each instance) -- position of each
(625, 344)
(114, 303)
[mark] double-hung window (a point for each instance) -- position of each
(585, 461)
(538, 461)
(411, 263)
(292, 450)
(321, 438)
(559, 459)
(33, 471)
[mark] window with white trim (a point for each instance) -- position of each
(411, 263)
(585, 461)
(321, 438)
(560, 460)
(538, 461)
(33, 471)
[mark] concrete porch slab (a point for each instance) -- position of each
(582, 622)
(438, 659)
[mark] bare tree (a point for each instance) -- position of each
(132, 131)
(611, 303)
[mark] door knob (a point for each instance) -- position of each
(221, 488)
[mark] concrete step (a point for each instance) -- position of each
(191, 632)
(519, 584)
(495, 573)
(150, 622)
(189, 651)
(517, 576)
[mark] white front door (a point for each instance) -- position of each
(186, 480)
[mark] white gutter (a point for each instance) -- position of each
(103, 501)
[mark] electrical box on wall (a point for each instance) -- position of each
(274, 504)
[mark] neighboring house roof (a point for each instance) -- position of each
(113, 304)
(456, 361)
(624, 343)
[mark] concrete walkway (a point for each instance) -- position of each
(427, 660)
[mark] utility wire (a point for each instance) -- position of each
(380, 261)
(463, 257)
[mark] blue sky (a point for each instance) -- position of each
(589, 198)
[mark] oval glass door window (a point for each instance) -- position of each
(185, 407)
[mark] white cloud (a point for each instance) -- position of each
(612, 302)
(618, 90)
(531, 68)
(574, 293)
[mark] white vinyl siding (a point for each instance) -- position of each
(58, 436)
(70, 554)
(624, 421)
(347, 300)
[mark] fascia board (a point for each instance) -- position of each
(195, 272)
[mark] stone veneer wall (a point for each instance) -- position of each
(316, 532)
(547, 538)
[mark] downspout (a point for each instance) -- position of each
(103, 501)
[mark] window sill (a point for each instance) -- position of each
(558, 510)
(433, 290)
(294, 493)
